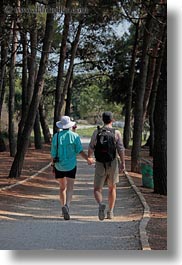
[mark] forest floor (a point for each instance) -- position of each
(157, 226)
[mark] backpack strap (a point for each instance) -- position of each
(57, 144)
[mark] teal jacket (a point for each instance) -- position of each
(69, 145)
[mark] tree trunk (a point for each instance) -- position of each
(126, 134)
(24, 71)
(37, 133)
(2, 89)
(68, 99)
(160, 139)
(2, 143)
(5, 39)
(69, 73)
(150, 78)
(28, 91)
(45, 127)
(152, 101)
(11, 105)
(24, 139)
(138, 111)
(4, 53)
(59, 80)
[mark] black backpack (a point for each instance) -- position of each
(105, 148)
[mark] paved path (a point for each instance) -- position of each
(30, 216)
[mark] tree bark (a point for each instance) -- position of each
(70, 68)
(37, 132)
(152, 101)
(28, 91)
(4, 53)
(5, 39)
(2, 142)
(68, 99)
(45, 127)
(160, 133)
(150, 78)
(138, 111)
(4, 50)
(24, 72)
(126, 134)
(59, 80)
(24, 139)
(11, 102)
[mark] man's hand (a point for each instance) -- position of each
(90, 161)
(122, 167)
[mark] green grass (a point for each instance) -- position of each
(86, 132)
(89, 131)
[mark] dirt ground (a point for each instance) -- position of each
(157, 226)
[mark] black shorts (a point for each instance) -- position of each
(68, 174)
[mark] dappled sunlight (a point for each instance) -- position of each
(159, 215)
(6, 218)
(13, 213)
(14, 216)
(36, 203)
(135, 175)
(38, 185)
(27, 196)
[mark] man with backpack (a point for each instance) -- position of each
(106, 144)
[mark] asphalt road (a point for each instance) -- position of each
(30, 216)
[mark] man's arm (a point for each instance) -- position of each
(90, 152)
(92, 144)
(121, 151)
(122, 158)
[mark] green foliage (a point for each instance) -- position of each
(90, 101)
(91, 98)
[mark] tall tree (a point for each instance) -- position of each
(128, 104)
(70, 68)
(2, 88)
(37, 132)
(69, 96)
(28, 87)
(138, 111)
(59, 80)
(152, 102)
(24, 139)
(160, 132)
(11, 103)
(44, 124)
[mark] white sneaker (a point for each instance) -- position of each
(110, 215)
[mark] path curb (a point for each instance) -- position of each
(146, 215)
(27, 179)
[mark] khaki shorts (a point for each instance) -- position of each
(108, 173)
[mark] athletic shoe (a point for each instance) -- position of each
(65, 211)
(101, 213)
(110, 215)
